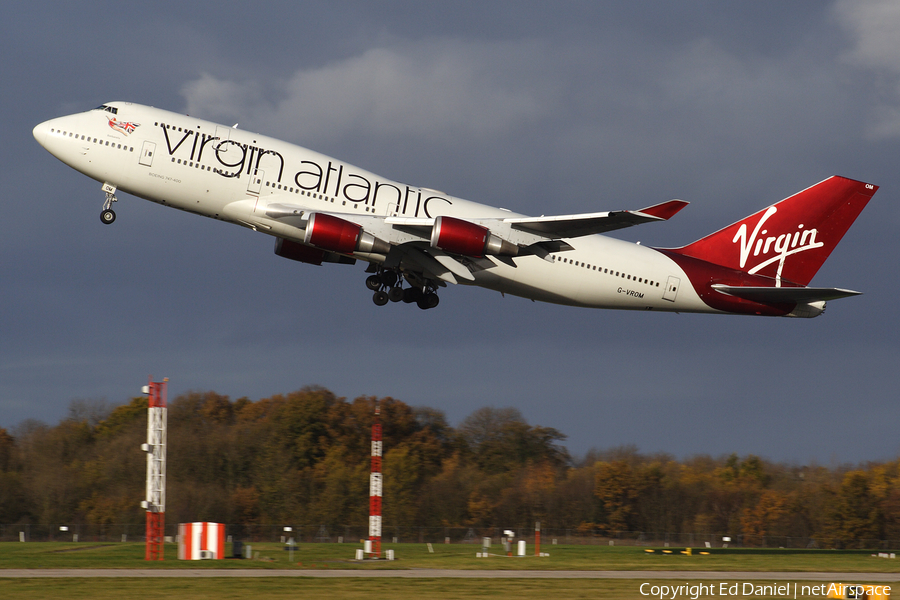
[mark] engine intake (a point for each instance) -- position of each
(469, 239)
(339, 235)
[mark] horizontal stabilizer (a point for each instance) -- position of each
(783, 295)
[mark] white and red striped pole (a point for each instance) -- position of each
(375, 486)
(155, 448)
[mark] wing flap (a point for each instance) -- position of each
(429, 265)
(452, 265)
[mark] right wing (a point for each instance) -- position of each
(570, 226)
(411, 240)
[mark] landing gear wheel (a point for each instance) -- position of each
(427, 301)
(411, 295)
(108, 216)
(389, 278)
(380, 298)
(395, 294)
(373, 282)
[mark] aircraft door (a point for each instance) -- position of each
(256, 181)
(147, 151)
(671, 288)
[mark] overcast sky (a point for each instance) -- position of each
(543, 108)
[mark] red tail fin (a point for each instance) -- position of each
(790, 240)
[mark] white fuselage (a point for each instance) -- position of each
(236, 176)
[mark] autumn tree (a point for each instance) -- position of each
(855, 513)
(303, 459)
(616, 485)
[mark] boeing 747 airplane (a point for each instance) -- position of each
(416, 240)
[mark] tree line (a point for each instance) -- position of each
(304, 458)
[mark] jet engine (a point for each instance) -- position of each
(307, 254)
(469, 239)
(339, 235)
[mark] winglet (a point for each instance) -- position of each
(664, 211)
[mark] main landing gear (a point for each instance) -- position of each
(108, 215)
(387, 287)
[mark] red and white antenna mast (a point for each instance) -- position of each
(155, 448)
(375, 486)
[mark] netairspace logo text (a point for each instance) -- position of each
(746, 588)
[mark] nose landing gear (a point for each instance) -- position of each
(108, 215)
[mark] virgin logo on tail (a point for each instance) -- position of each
(784, 244)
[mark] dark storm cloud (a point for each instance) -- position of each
(573, 107)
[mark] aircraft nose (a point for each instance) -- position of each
(40, 133)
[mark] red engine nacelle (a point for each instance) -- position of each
(339, 235)
(469, 239)
(307, 254)
(332, 233)
(297, 251)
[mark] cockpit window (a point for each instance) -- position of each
(109, 109)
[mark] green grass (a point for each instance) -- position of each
(69, 555)
(278, 588)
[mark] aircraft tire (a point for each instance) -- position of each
(107, 217)
(428, 301)
(395, 294)
(373, 282)
(380, 298)
(411, 295)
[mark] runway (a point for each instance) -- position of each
(732, 576)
